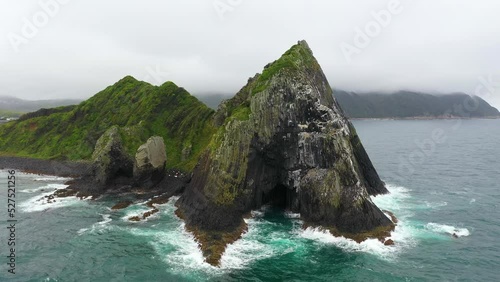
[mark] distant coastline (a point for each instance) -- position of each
(414, 106)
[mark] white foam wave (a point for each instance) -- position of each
(177, 247)
(289, 214)
(135, 210)
(40, 203)
(43, 188)
(247, 249)
(52, 178)
(181, 252)
(394, 201)
(447, 229)
(435, 205)
(260, 212)
(106, 219)
(139, 209)
(98, 226)
(257, 213)
(402, 237)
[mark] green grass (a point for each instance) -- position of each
(141, 110)
(138, 108)
(242, 112)
(10, 114)
(297, 57)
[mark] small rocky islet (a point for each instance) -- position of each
(282, 140)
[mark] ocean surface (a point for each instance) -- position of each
(444, 179)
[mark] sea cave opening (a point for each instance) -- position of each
(279, 197)
(124, 173)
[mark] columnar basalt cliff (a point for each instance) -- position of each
(283, 140)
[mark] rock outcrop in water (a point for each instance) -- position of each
(283, 140)
(109, 158)
(150, 161)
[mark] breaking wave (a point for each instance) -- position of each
(51, 187)
(447, 229)
(41, 203)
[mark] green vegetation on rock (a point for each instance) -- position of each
(282, 140)
(237, 123)
(140, 110)
(297, 57)
(10, 114)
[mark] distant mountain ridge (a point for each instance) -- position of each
(407, 104)
(397, 105)
(12, 106)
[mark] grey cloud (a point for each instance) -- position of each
(436, 46)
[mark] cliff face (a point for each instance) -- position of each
(283, 140)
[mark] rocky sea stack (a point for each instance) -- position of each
(150, 162)
(109, 158)
(283, 140)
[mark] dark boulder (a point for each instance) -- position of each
(109, 159)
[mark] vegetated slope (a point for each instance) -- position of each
(9, 114)
(138, 108)
(406, 104)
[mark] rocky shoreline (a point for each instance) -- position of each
(47, 167)
(83, 186)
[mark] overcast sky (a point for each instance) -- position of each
(75, 49)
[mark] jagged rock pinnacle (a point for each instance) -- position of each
(283, 140)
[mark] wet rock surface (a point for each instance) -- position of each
(389, 242)
(284, 140)
(122, 205)
(150, 161)
(109, 159)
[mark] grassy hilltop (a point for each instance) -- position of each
(138, 108)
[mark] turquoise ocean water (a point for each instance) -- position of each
(444, 178)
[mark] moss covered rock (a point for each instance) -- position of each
(284, 140)
(109, 159)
